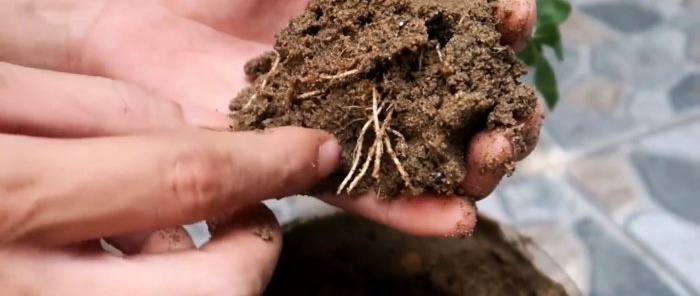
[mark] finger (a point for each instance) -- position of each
(254, 20)
(488, 155)
(89, 247)
(236, 262)
(424, 215)
(48, 103)
(170, 239)
(167, 240)
(515, 20)
(177, 58)
(531, 131)
(130, 244)
(138, 42)
(491, 152)
(63, 191)
(237, 235)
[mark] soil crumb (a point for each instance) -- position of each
(351, 256)
(264, 232)
(402, 84)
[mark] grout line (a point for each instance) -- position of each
(665, 273)
(562, 158)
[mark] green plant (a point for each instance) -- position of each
(550, 15)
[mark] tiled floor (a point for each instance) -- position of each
(612, 192)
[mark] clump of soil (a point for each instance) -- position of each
(402, 84)
(346, 255)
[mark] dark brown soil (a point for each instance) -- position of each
(344, 255)
(435, 68)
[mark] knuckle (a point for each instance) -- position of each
(198, 179)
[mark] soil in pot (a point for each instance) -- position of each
(350, 256)
(402, 84)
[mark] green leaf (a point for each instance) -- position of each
(529, 54)
(547, 33)
(546, 81)
(555, 11)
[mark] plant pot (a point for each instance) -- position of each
(327, 252)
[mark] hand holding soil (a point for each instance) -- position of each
(98, 104)
(407, 87)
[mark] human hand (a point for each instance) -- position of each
(420, 215)
(172, 64)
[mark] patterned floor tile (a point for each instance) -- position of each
(622, 16)
(672, 181)
(582, 29)
(650, 61)
(608, 180)
(672, 239)
(592, 110)
(669, 165)
(691, 4)
(686, 94)
(615, 270)
(693, 50)
(543, 208)
(538, 200)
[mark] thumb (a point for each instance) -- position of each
(102, 187)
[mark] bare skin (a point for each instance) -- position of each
(106, 117)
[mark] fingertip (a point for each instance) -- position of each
(327, 147)
(256, 220)
(489, 154)
(531, 131)
(168, 240)
(273, 163)
(246, 245)
(328, 156)
(424, 215)
(515, 21)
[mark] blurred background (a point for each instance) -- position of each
(611, 193)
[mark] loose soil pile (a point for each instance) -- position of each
(345, 255)
(402, 84)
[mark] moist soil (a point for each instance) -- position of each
(350, 256)
(402, 84)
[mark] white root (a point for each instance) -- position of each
(380, 142)
(309, 94)
(365, 166)
(377, 135)
(265, 80)
(398, 134)
(437, 48)
(341, 75)
(398, 164)
(377, 149)
(357, 154)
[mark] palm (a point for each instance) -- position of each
(193, 52)
(169, 55)
(187, 51)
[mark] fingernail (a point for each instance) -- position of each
(205, 118)
(328, 157)
(465, 226)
